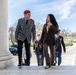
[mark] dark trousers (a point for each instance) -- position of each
(48, 58)
(27, 48)
(40, 58)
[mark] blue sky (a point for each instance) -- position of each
(64, 11)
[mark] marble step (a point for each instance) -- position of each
(35, 70)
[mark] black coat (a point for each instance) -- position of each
(59, 44)
(37, 48)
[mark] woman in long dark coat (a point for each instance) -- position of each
(48, 39)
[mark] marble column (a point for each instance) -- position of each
(5, 55)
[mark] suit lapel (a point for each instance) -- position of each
(24, 21)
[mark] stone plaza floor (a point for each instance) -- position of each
(68, 66)
(34, 70)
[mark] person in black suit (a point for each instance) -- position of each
(48, 39)
(58, 48)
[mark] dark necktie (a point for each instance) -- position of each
(26, 21)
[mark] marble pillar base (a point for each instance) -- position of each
(6, 61)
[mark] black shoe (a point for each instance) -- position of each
(19, 65)
(23, 64)
(28, 64)
(58, 64)
(46, 67)
(54, 64)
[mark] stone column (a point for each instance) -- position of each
(5, 55)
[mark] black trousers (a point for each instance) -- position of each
(27, 48)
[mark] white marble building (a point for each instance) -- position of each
(5, 56)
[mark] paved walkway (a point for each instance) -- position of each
(68, 66)
(68, 58)
(61, 70)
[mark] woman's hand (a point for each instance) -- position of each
(49, 24)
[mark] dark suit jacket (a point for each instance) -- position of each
(49, 38)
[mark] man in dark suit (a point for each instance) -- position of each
(24, 30)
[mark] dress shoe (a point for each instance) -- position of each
(46, 67)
